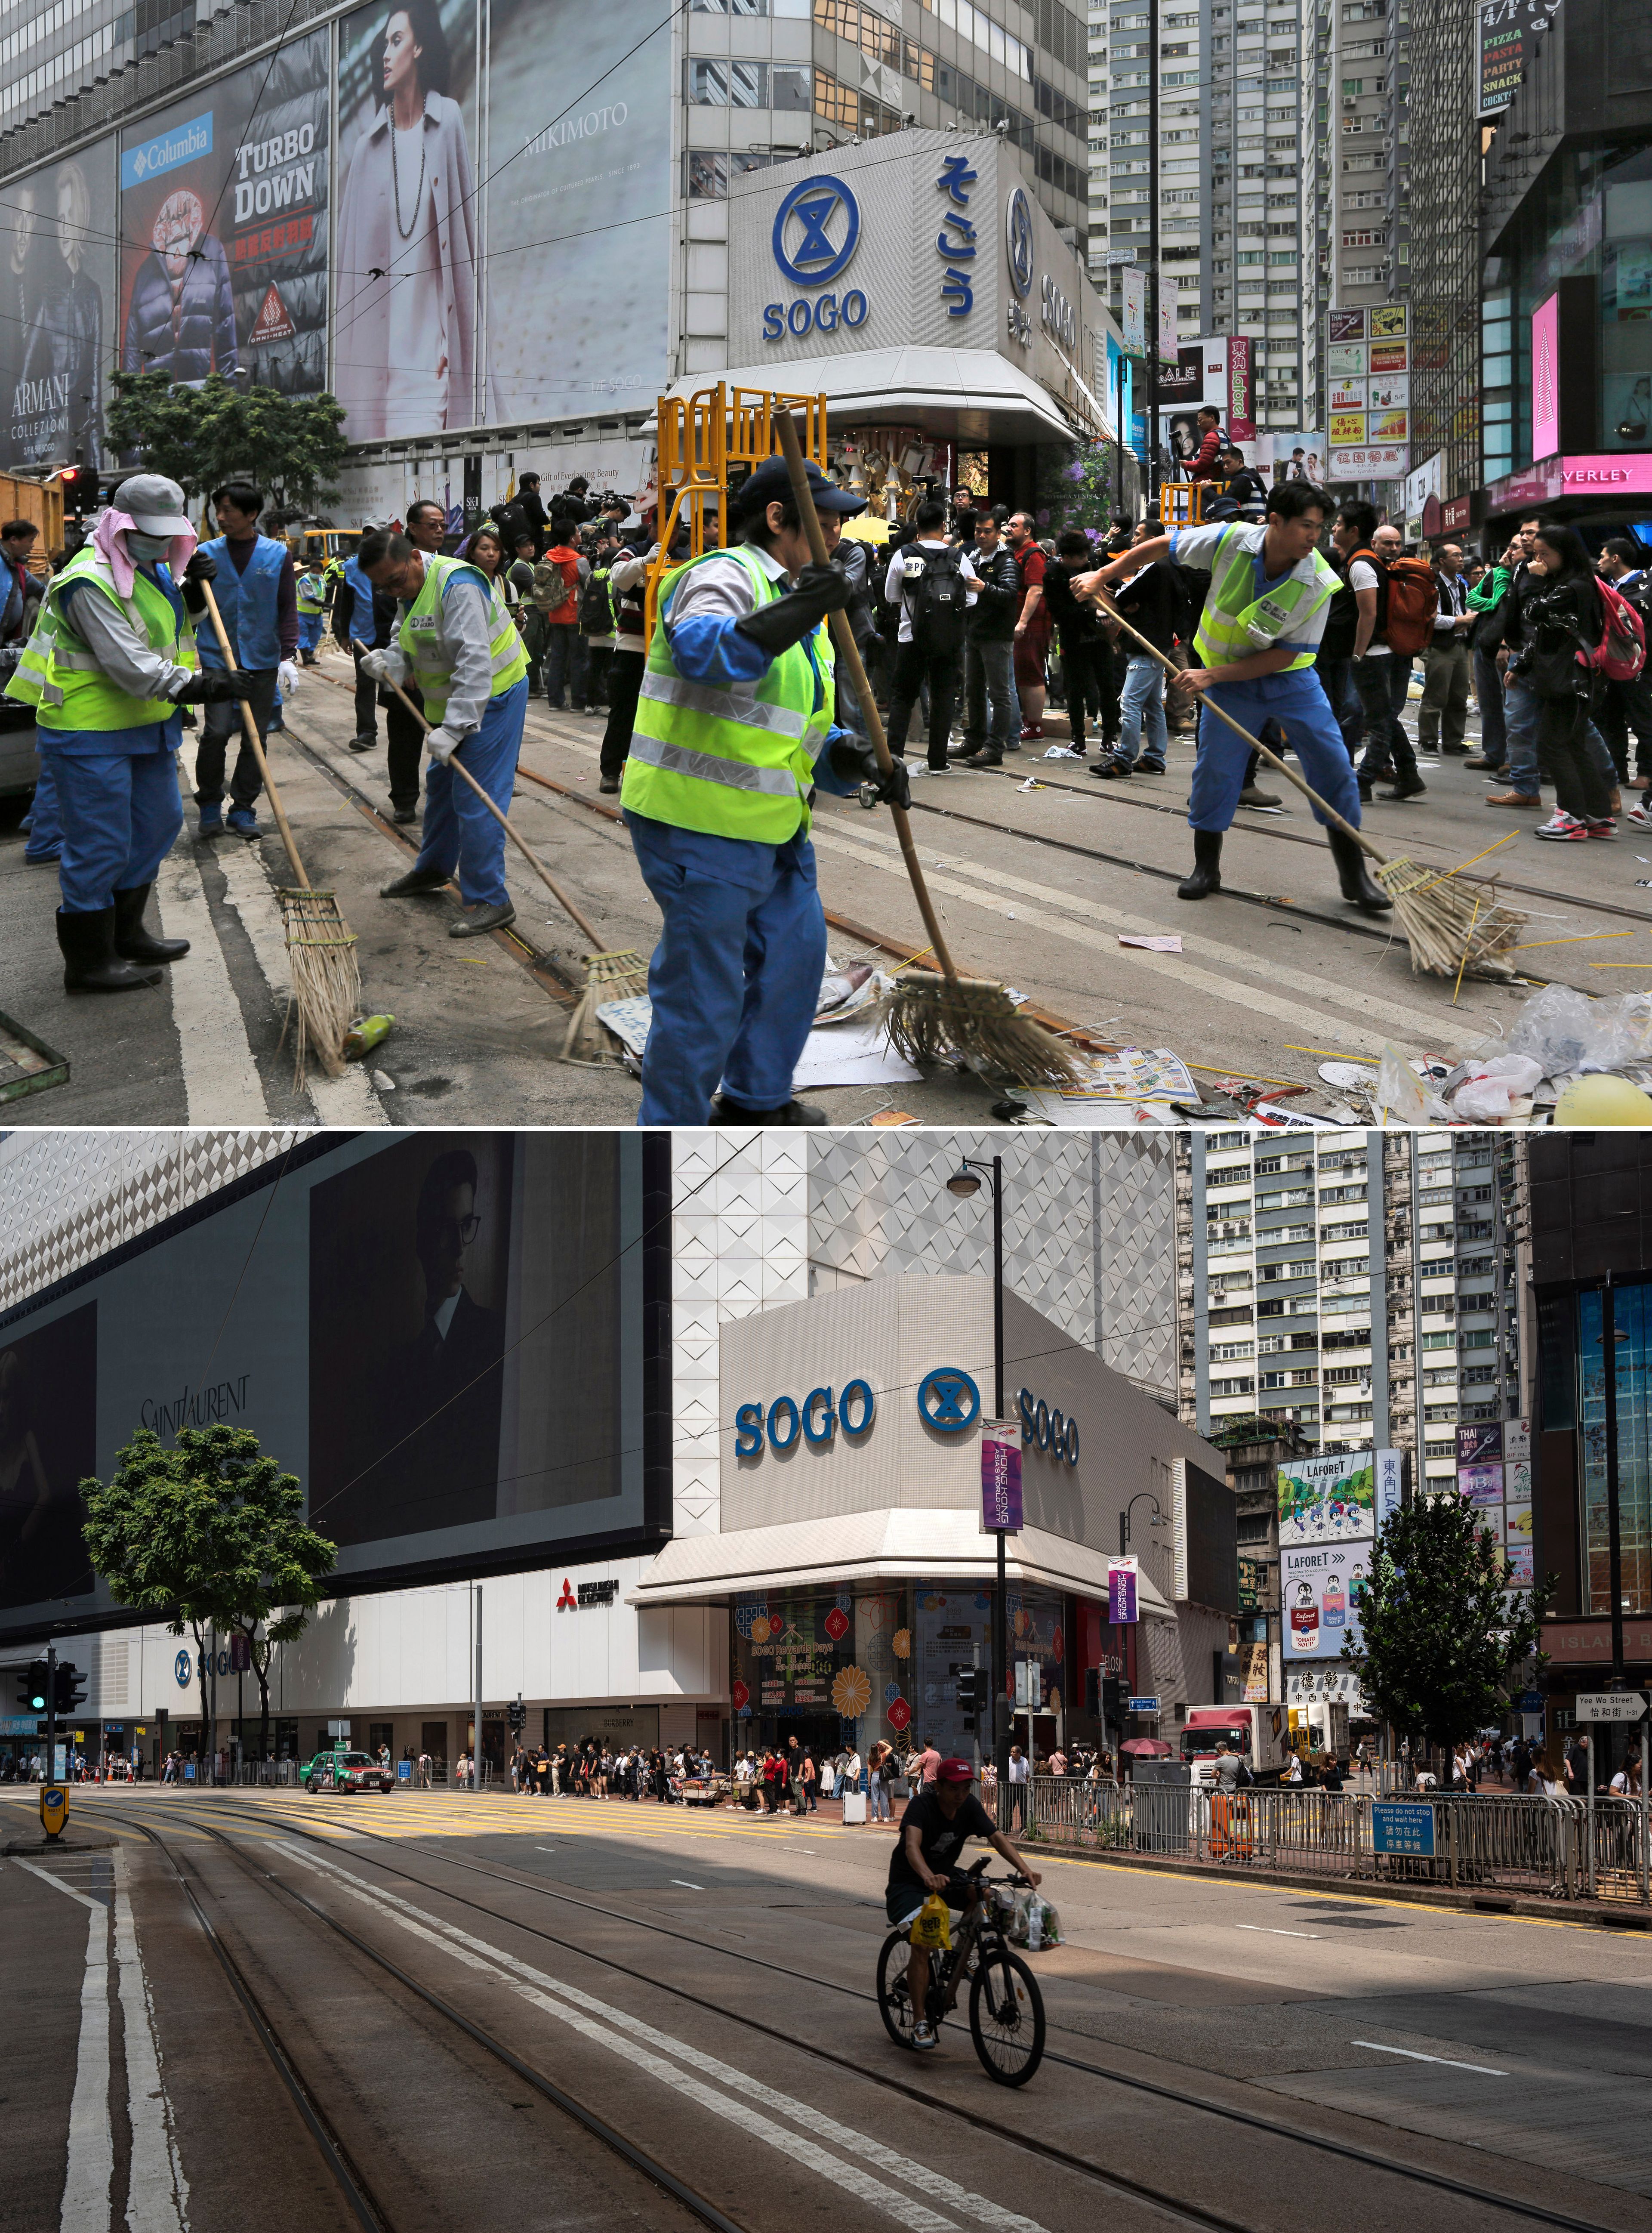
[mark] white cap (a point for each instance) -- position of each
(154, 504)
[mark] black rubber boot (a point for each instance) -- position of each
(90, 964)
(1207, 866)
(132, 942)
(1355, 879)
(415, 881)
(724, 1111)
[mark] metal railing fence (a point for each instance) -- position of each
(1560, 1848)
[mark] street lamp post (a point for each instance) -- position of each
(1141, 1496)
(963, 1183)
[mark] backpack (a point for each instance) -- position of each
(596, 606)
(1621, 653)
(936, 597)
(551, 586)
(1407, 597)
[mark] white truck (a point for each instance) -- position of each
(1256, 1733)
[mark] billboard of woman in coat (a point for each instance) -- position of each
(404, 297)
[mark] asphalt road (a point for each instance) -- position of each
(698, 1984)
(1035, 887)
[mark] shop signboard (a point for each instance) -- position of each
(1344, 325)
(1254, 1678)
(1337, 1499)
(1318, 1587)
(1505, 37)
(1378, 462)
(1545, 378)
(1390, 356)
(1001, 1477)
(1346, 394)
(1346, 361)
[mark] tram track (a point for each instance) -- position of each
(369, 2208)
(1532, 2210)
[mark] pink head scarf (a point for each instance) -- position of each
(109, 540)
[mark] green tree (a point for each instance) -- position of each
(290, 446)
(1446, 1634)
(212, 1534)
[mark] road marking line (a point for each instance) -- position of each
(157, 2190)
(90, 2171)
(221, 1081)
(67, 1890)
(576, 2009)
(1272, 1933)
(686, 1886)
(1020, 893)
(349, 1100)
(1412, 2056)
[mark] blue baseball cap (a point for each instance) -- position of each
(771, 484)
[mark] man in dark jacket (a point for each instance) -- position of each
(989, 650)
(1154, 602)
(1086, 655)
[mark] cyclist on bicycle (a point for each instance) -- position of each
(937, 1821)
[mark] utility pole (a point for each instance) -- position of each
(476, 1748)
(1153, 251)
(1614, 1518)
(51, 1714)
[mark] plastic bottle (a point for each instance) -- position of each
(1035, 1923)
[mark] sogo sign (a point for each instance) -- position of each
(948, 1400)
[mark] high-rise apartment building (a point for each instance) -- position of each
(1361, 1285)
(1357, 165)
(1445, 253)
(1234, 124)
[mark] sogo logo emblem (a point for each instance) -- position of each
(816, 231)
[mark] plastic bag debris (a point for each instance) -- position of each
(1401, 1099)
(1061, 752)
(1564, 1031)
(1488, 1094)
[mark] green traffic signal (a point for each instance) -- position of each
(33, 1686)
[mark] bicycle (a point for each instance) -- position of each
(1006, 2018)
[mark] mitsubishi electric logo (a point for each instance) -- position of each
(817, 230)
(590, 1594)
(567, 1598)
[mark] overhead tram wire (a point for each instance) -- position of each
(1398, 2168)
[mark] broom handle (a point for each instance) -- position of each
(585, 928)
(250, 729)
(1256, 744)
(848, 652)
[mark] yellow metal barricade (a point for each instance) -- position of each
(700, 438)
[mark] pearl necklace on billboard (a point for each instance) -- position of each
(406, 230)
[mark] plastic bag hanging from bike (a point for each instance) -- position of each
(930, 1926)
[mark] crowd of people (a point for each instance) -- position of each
(591, 1769)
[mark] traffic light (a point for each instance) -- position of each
(80, 489)
(71, 1688)
(516, 1714)
(33, 1687)
(973, 1691)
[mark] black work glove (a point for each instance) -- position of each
(776, 627)
(214, 687)
(854, 761)
(203, 567)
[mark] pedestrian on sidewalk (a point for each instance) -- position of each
(1486, 602)
(628, 581)
(1018, 1774)
(110, 662)
(1086, 651)
(559, 580)
(596, 620)
(1032, 627)
(458, 642)
(1154, 600)
(258, 601)
(1443, 715)
(992, 709)
(932, 582)
(1625, 705)
(1562, 616)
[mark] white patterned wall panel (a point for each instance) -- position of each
(67, 1198)
(1136, 1255)
(739, 1243)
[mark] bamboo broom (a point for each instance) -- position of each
(932, 1013)
(321, 945)
(622, 976)
(1449, 933)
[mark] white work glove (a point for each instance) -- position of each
(389, 666)
(443, 745)
(287, 678)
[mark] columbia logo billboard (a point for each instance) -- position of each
(187, 143)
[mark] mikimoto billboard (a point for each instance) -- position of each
(445, 1336)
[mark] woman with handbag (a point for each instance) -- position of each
(1563, 624)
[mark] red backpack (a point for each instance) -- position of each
(1621, 653)
(1408, 598)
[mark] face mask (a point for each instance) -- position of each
(147, 546)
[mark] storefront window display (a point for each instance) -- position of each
(826, 1666)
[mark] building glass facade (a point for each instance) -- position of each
(1632, 1326)
(1444, 249)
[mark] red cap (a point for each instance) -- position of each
(955, 1771)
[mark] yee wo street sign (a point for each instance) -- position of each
(1611, 1706)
